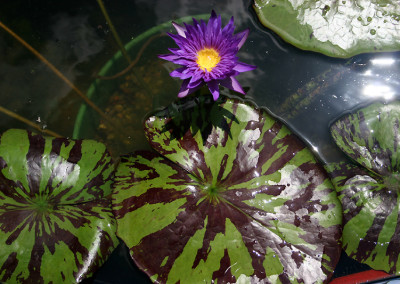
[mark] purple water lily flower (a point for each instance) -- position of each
(207, 54)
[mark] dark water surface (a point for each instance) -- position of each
(74, 36)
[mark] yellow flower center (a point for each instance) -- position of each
(208, 58)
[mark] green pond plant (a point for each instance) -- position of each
(232, 195)
(228, 193)
(368, 185)
(56, 224)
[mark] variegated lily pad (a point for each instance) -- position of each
(56, 223)
(369, 188)
(336, 28)
(234, 197)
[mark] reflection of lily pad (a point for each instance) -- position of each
(56, 223)
(369, 192)
(336, 28)
(251, 203)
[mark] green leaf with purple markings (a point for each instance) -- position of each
(369, 188)
(56, 223)
(247, 202)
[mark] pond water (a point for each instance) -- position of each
(308, 91)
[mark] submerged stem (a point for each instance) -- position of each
(58, 73)
(121, 45)
(27, 121)
(134, 62)
(114, 31)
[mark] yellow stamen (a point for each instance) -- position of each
(207, 59)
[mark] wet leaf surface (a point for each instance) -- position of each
(56, 223)
(369, 188)
(334, 28)
(248, 204)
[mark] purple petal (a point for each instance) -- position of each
(233, 84)
(195, 22)
(243, 67)
(203, 28)
(181, 30)
(214, 24)
(229, 28)
(213, 86)
(195, 81)
(181, 73)
(184, 90)
(179, 40)
(244, 34)
(169, 57)
(183, 61)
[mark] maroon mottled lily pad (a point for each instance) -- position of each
(56, 223)
(368, 187)
(234, 197)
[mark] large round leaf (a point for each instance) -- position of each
(56, 223)
(336, 28)
(369, 192)
(234, 196)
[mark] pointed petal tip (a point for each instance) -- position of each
(233, 84)
(163, 56)
(243, 67)
(168, 57)
(183, 92)
(243, 34)
(215, 96)
(213, 86)
(180, 30)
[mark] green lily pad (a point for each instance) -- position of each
(231, 196)
(335, 28)
(56, 223)
(369, 188)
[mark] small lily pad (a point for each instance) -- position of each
(235, 196)
(56, 223)
(335, 28)
(369, 187)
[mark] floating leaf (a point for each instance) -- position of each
(335, 28)
(56, 223)
(369, 192)
(248, 204)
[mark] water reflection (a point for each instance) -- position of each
(75, 37)
(383, 62)
(379, 90)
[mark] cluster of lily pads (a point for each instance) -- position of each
(228, 194)
(231, 195)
